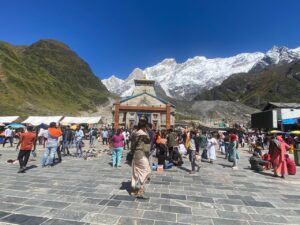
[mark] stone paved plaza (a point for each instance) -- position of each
(80, 191)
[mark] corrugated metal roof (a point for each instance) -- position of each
(274, 105)
(285, 104)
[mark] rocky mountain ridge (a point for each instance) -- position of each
(188, 79)
(280, 83)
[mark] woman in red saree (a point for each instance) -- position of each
(278, 158)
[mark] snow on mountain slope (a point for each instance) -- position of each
(184, 80)
(112, 83)
(277, 55)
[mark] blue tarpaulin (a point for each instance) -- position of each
(289, 121)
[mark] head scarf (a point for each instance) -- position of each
(279, 138)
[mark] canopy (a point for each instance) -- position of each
(276, 132)
(78, 120)
(8, 119)
(37, 120)
(15, 125)
(295, 132)
(74, 127)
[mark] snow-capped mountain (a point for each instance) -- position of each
(186, 79)
(277, 55)
(113, 83)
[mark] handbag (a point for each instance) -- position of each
(33, 153)
(146, 149)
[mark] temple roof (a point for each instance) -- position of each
(146, 93)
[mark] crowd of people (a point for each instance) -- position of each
(55, 140)
(151, 149)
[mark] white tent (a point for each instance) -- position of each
(8, 119)
(37, 120)
(79, 120)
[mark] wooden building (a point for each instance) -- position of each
(143, 102)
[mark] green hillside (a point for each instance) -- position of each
(276, 84)
(46, 78)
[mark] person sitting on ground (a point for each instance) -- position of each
(291, 166)
(257, 164)
(258, 149)
(176, 158)
(267, 157)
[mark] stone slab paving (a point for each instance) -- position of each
(79, 192)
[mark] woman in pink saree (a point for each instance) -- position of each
(278, 158)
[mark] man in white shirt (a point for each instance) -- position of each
(78, 141)
(8, 136)
(126, 135)
(41, 136)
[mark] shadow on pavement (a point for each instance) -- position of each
(31, 167)
(183, 168)
(126, 186)
(225, 165)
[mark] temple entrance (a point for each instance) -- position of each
(146, 116)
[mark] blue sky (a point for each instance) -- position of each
(116, 36)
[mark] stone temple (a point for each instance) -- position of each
(143, 102)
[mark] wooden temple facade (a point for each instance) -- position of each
(144, 102)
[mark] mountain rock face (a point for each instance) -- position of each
(234, 111)
(279, 83)
(47, 78)
(186, 80)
